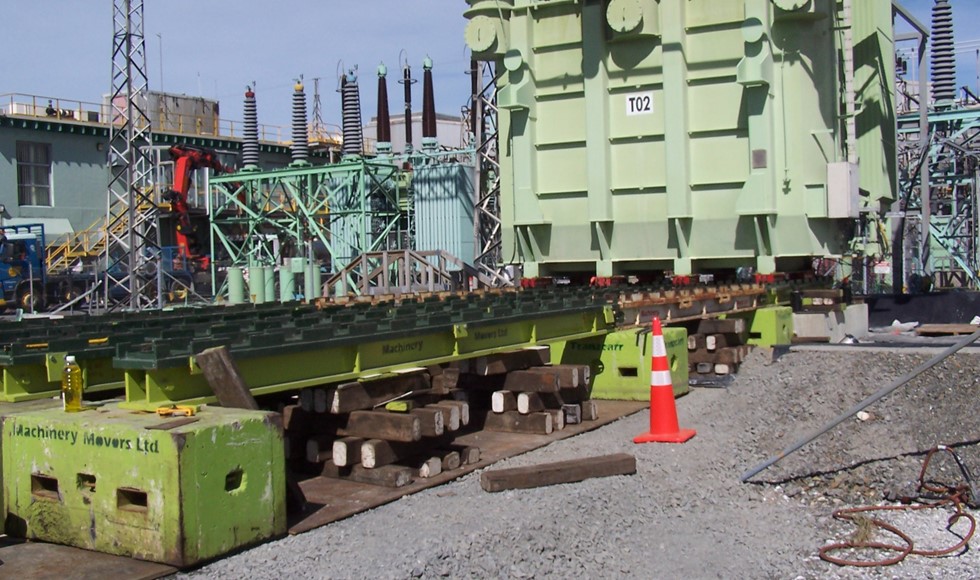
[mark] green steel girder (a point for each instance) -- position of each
(32, 352)
(350, 343)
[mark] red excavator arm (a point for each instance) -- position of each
(186, 160)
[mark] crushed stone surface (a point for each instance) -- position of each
(685, 514)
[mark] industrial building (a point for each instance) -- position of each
(277, 328)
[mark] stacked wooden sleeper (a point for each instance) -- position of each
(718, 347)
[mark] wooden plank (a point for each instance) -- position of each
(225, 379)
(450, 415)
(502, 401)
(446, 381)
(696, 342)
(431, 421)
(386, 475)
(945, 329)
(378, 452)
(426, 466)
(573, 413)
(350, 397)
(450, 459)
(514, 422)
(469, 455)
(364, 395)
(590, 411)
(347, 451)
(557, 418)
(457, 408)
(559, 472)
(464, 410)
(528, 381)
(569, 376)
(296, 420)
(529, 403)
(383, 425)
(732, 326)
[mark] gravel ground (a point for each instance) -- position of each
(685, 513)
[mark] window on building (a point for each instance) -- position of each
(33, 173)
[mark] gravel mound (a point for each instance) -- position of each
(685, 514)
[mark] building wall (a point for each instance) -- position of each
(79, 176)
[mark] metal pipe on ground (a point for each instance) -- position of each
(879, 394)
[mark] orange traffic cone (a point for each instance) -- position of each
(663, 413)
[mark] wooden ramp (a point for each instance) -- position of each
(40, 561)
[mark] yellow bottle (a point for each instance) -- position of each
(71, 386)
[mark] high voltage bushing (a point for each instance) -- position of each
(351, 114)
(301, 140)
(250, 146)
(384, 119)
(429, 139)
(943, 53)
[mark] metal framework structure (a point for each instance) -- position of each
(950, 160)
(132, 250)
(483, 122)
(347, 209)
(935, 224)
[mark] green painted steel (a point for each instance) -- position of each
(308, 346)
(444, 202)
(620, 362)
(129, 484)
(684, 135)
(32, 352)
(261, 218)
(771, 326)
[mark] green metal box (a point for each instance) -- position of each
(173, 490)
(687, 135)
(620, 362)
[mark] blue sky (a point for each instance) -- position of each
(213, 48)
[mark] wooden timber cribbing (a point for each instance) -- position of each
(332, 499)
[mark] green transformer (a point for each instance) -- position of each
(176, 490)
(687, 135)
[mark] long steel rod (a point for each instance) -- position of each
(860, 406)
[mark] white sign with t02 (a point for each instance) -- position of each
(639, 103)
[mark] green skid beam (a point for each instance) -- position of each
(271, 370)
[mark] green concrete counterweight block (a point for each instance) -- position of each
(771, 326)
(620, 362)
(173, 490)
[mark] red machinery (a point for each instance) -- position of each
(186, 160)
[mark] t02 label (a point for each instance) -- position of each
(639, 103)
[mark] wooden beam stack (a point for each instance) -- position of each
(718, 347)
(388, 431)
(542, 399)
